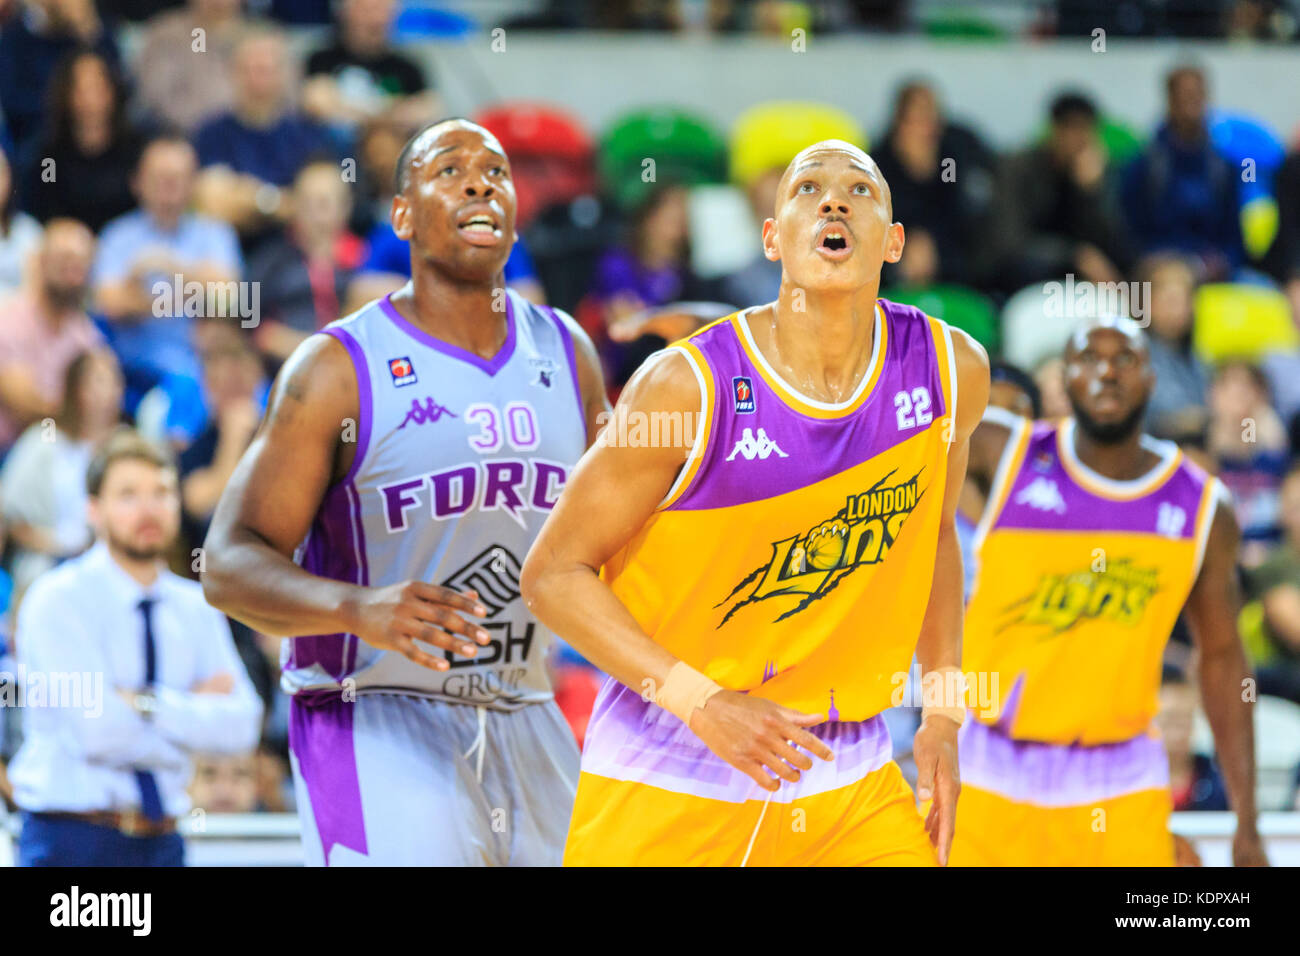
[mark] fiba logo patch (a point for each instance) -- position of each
(742, 389)
(402, 371)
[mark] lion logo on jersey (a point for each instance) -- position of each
(809, 566)
(1117, 592)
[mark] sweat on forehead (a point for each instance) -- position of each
(426, 139)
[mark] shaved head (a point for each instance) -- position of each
(1118, 323)
(416, 148)
(811, 156)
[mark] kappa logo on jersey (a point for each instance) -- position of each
(1042, 493)
(402, 371)
(755, 447)
(493, 574)
(808, 566)
(430, 411)
(545, 369)
(743, 391)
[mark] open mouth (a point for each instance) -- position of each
(834, 242)
(480, 229)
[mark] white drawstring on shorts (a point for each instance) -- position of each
(762, 813)
(480, 742)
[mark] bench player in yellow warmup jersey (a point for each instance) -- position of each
(757, 606)
(1094, 538)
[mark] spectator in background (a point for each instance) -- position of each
(759, 280)
(1177, 406)
(1283, 258)
(20, 234)
(182, 79)
(234, 393)
(225, 784)
(109, 790)
(651, 269)
(380, 144)
(248, 155)
(80, 167)
(940, 209)
(36, 38)
(44, 327)
(1049, 376)
(359, 77)
(303, 272)
(1193, 777)
(140, 256)
(1276, 585)
(1179, 193)
(1249, 444)
(43, 479)
(179, 408)
(1057, 208)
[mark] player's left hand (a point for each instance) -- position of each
(934, 748)
(1248, 849)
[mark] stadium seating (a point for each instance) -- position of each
(1235, 320)
(770, 134)
(964, 308)
(551, 154)
(684, 147)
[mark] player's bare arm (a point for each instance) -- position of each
(268, 507)
(1212, 610)
(939, 644)
(607, 500)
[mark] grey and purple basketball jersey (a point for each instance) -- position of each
(793, 557)
(1079, 581)
(459, 460)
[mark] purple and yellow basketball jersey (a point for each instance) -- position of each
(793, 557)
(1080, 579)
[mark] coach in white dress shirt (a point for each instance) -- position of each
(126, 672)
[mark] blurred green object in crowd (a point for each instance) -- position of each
(957, 305)
(1121, 140)
(684, 149)
(956, 24)
(1238, 321)
(769, 135)
(1259, 218)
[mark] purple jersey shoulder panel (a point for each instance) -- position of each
(364, 410)
(760, 447)
(1044, 496)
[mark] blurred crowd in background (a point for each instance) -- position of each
(125, 177)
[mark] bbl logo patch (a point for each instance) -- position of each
(402, 370)
(742, 389)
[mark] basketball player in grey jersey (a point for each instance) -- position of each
(409, 455)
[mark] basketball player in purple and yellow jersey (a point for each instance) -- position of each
(758, 605)
(1094, 538)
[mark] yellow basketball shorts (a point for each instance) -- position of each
(652, 794)
(1025, 803)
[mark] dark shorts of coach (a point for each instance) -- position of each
(51, 841)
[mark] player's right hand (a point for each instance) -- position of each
(393, 618)
(758, 737)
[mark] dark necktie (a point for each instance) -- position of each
(150, 799)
